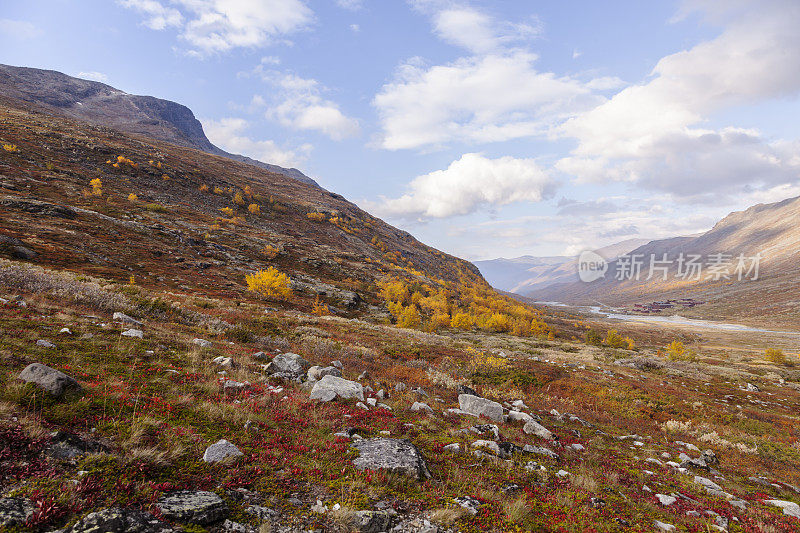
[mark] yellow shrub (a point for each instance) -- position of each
(217, 190)
(227, 211)
(409, 318)
(497, 322)
(440, 320)
(316, 217)
(271, 252)
(320, 308)
(676, 351)
(238, 199)
(269, 283)
(10, 148)
(254, 209)
(775, 355)
(615, 340)
(461, 321)
(165, 177)
(204, 188)
(132, 197)
(97, 187)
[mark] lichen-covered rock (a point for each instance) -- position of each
(371, 521)
(68, 446)
(53, 381)
(422, 406)
(396, 455)
(316, 373)
(289, 363)
(195, 507)
(15, 511)
(477, 406)
(115, 520)
(202, 343)
(139, 334)
(125, 319)
(330, 387)
(220, 451)
(532, 427)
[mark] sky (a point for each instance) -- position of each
(485, 129)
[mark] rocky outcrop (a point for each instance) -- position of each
(15, 511)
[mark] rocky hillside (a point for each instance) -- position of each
(103, 105)
(771, 230)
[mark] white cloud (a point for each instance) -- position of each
(94, 76)
(488, 98)
(479, 33)
(228, 134)
(469, 183)
(299, 105)
(157, 16)
(19, 29)
(352, 5)
(653, 133)
(211, 26)
(355, 28)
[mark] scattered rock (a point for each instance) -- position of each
(665, 499)
(49, 379)
(329, 387)
(224, 362)
(455, 447)
(139, 334)
(751, 388)
(487, 445)
(469, 503)
(64, 331)
(196, 507)
(540, 450)
(477, 406)
(371, 521)
(400, 387)
(115, 520)
(202, 343)
(663, 526)
(421, 406)
(337, 364)
(220, 451)
(463, 389)
(68, 446)
(125, 319)
(397, 455)
(364, 376)
(15, 511)
(316, 373)
(44, 343)
(789, 508)
(532, 427)
(290, 363)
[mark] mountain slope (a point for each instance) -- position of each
(772, 230)
(101, 104)
(196, 221)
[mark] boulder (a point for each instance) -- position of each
(220, 451)
(519, 415)
(290, 363)
(202, 343)
(44, 343)
(396, 455)
(789, 508)
(15, 511)
(421, 406)
(133, 333)
(540, 450)
(195, 507)
(316, 373)
(532, 427)
(477, 406)
(329, 387)
(115, 519)
(49, 379)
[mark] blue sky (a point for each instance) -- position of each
(486, 129)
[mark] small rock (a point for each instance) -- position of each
(516, 416)
(337, 364)
(400, 387)
(421, 406)
(139, 334)
(290, 363)
(789, 508)
(202, 343)
(224, 362)
(532, 427)
(663, 526)
(371, 521)
(220, 451)
(477, 406)
(469, 503)
(398, 455)
(665, 499)
(49, 379)
(125, 319)
(64, 331)
(44, 343)
(329, 387)
(540, 450)
(363, 376)
(115, 519)
(196, 507)
(490, 445)
(455, 447)
(751, 388)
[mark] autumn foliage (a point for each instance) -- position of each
(270, 283)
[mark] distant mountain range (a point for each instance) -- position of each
(771, 230)
(523, 275)
(101, 104)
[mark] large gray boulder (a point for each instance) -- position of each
(53, 381)
(15, 511)
(396, 455)
(532, 427)
(195, 507)
(115, 520)
(477, 406)
(220, 451)
(290, 363)
(330, 387)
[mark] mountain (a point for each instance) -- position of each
(772, 230)
(181, 218)
(524, 274)
(101, 104)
